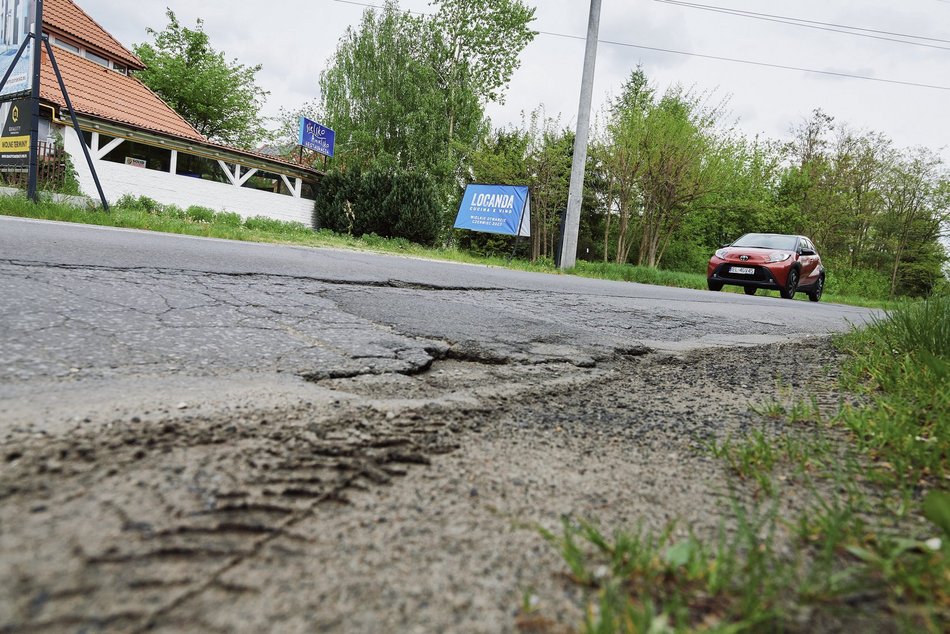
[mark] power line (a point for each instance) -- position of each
(813, 24)
(755, 63)
(717, 57)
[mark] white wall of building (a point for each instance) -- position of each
(118, 179)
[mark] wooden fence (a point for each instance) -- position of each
(50, 168)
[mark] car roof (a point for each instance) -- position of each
(764, 233)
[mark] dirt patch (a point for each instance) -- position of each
(409, 503)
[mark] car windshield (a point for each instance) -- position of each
(767, 241)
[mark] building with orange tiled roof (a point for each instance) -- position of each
(142, 147)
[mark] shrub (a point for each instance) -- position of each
(228, 218)
(173, 211)
(142, 203)
(850, 282)
(200, 214)
(391, 204)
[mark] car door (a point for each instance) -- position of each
(809, 260)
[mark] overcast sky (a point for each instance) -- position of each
(293, 39)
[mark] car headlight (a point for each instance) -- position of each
(779, 257)
(721, 254)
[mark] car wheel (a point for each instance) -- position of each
(815, 294)
(790, 285)
(714, 286)
(750, 290)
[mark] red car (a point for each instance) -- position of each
(787, 264)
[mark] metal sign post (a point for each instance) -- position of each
(35, 102)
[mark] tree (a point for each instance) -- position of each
(409, 92)
(679, 160)
(915, 202)
(549, 166)
(219, 98)
(476, 49)
(623, 159)
(382, 98)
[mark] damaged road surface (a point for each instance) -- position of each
(199, 435)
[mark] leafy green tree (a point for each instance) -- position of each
(381, 97)
(916, 204)
(743, 202)
(623, 159)
(549, 168)
(218, 97)
(409, 92)
(683, 163)
(476, 44)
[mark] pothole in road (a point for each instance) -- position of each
(163, 524)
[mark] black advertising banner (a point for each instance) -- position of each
(15, 135)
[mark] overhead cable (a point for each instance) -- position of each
(733, 60)
(856, 31)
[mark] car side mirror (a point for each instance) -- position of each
(807, 252)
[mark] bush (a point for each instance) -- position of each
(228, 218)
(173, 211)
(142, 203)
(390, 204)
(200, 214)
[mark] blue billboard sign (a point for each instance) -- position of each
(316, 137)
(504, 209)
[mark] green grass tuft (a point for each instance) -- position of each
(902, 363)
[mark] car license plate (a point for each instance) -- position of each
(743, 270)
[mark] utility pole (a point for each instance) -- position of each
(576, 192)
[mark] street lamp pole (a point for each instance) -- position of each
(576, 192)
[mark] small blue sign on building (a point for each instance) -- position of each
(504, 209)
(316, 137)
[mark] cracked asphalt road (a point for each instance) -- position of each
(199, 435)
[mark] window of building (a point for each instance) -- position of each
(102, 61)
(139, 155)
(265, 181)
(200, 167)
(66, 45)
(119, 68)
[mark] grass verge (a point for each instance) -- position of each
(143, 213)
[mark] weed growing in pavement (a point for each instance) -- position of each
(642, 581)
(800, 410)
(757, 455)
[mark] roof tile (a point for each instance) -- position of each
(66, 16)
(100, 92)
